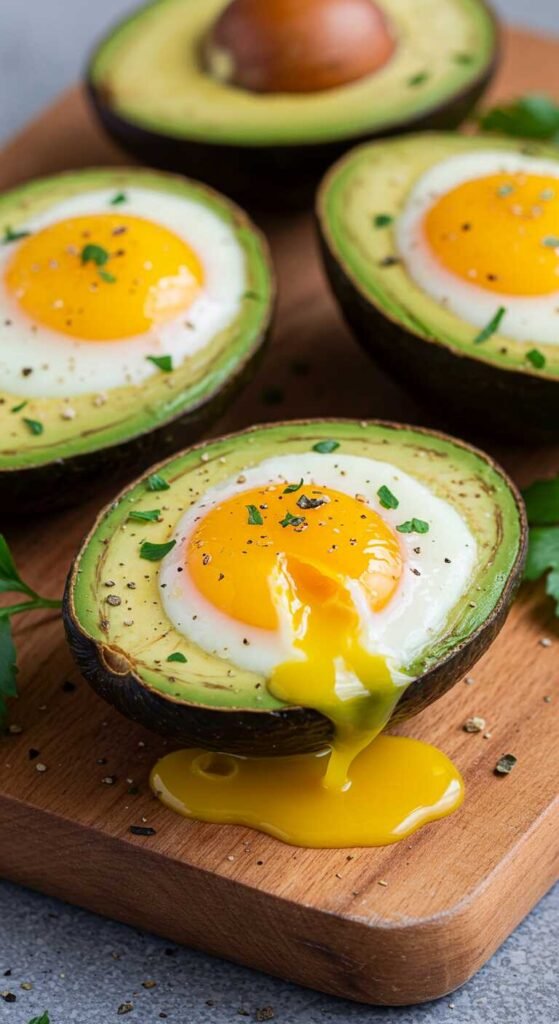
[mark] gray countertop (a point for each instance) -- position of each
(83, 968)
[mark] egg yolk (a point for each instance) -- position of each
(500, 232)
(322, 562)
(264, 550)
(103, 277)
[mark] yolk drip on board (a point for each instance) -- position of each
(103, 277)
(305, 565)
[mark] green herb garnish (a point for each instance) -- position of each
(534, 116)
(106, 276)
(119, 198)
(542, 502)
(551, 241)
(536, 358)
(156, 482)
(418, 79)
(382, 220)
(155, 552)
(177, 656)
(164, 363)
(386, 498)
(13, 236)
(18, 408)
(505, 764)
(12, 583)
(34, 426)
(290, 520)
(491, 327)
(325, 447)
(254, 516)
(505, 190)
(149, 516)
(43, 1019)
(413, 526)
(94, 254)
(291, 488)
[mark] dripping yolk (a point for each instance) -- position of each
(500, 232)
(268, 560)
(103, 277)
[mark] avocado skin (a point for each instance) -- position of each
(289, 730)
(268, 177)
(477, 396)
(66, 482)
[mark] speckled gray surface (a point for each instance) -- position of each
(82, 968)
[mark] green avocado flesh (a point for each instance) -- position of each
(137, 627)
(376, 179)
(121, 414)
(149, 71)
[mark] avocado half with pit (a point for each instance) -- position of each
(127, 647)
(74, 409)
(464, 364)
(258, 99)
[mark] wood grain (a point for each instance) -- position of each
(456, 889)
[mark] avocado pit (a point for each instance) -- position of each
(297, 46)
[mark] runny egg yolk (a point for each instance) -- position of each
(318, 561)
(499, 232)
(103, 277)
(264, 549)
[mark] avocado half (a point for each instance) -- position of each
(121, 638)
(129, 426)
(483, 388)
(151, 91)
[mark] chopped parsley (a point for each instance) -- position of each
(413, 526)
(164, 363)
(291, 520)
(155, 552)
(156, 482)
(325, 447)
(13, 236)
(177, 656)
(418, 79)
(551, 241)
(254, 516)
(43, 1019)
(18, 408)
(149, 516)
(536, 358)
(534, 116)
(491, 327)
(119, 198)
(386, 498)
(291, 488)
(382, 220)
(505, 190)
(35, 427)
(94, 254)
(106, 276)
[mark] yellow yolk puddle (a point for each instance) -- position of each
(103, 277)
(499, 232)
(266, 557)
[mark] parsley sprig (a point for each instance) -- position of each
(12, 583)
(534, 116)
(542, 506)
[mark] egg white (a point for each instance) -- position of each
(534, 318)
(65, 366)
(437, 567)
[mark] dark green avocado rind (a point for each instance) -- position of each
(277, 729)
(515, 402)
(52, 475)
(269, 175)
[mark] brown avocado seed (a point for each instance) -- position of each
(297, 45)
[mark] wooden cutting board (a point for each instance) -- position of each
(397, 925)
